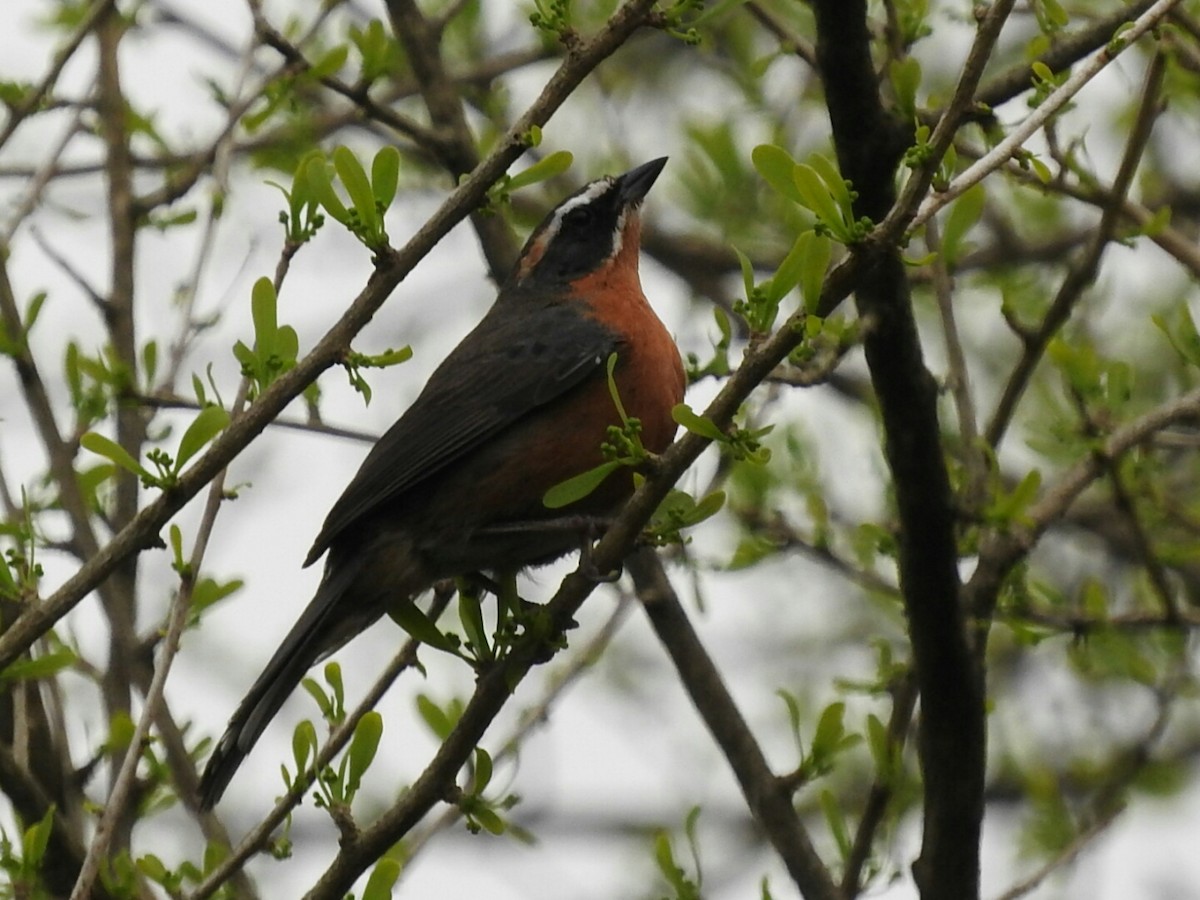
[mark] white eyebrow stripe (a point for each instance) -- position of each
(618, 235)
(587, 195)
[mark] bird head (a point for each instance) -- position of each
(594, 228)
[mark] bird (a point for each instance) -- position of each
(456, 486)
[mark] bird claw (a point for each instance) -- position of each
(588, 569)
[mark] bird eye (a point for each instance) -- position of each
(581, 216)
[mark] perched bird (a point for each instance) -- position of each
(456, 485)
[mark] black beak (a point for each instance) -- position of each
(636, 183)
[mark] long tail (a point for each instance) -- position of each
(323, 627)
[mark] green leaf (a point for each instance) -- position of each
(1041, 170)
(793, 711)
(837, 822)
(245, 356)
(574, 489)
(664, 857)
(363, 747)
(373, 44)
(44, 666)
(815, 253)
(302, 194)
(409, 616)
(354, 179)
(153, 868)
(815, 195)
(750, 550)
(880, 746)
(120, 732)
(1012, 506)
(304, 745)
(708, 506)
(435, 717)
(209, 591)
(385, 176)
(392, 357)
(8, 584)
(1183, 334)
(747, 272)
(489, 820)
(787, 276)
(1055, 17)
(333, 677)
(383, 877)
(775, 165)
(331, 63)
(175, 536)
(150, 362)
(483, 771)
(554, 164)
(210, 422)
(696, 423)
(111, 450)
(32, 311)
(470, 613)
(834, 182)
(287, 345)
(317, 172)
(319, 696)
(963, 215)
(905, 75)
(830, 729)
(35, 840)
(1158, 222)
(263, 309)
(611, 367)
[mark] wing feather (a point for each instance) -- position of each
(509, 365)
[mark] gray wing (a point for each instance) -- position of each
(506, 367)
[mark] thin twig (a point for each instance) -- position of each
(457, 153)
(158, 401)
(169, 647)
(1064, 51)
(948, 124)
(788, 40)
(260, 835)
(97, 299)
(535, 715)
(30, 102)
(958, 378)
(41, 178)
(1084, 72)
(222, 161)
(999, 552)
(1084, 271)
(768, 798)
(904, 699)
(1107, 802)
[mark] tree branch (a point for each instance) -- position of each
(951, 740)
(768, 797)
(422, 43)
